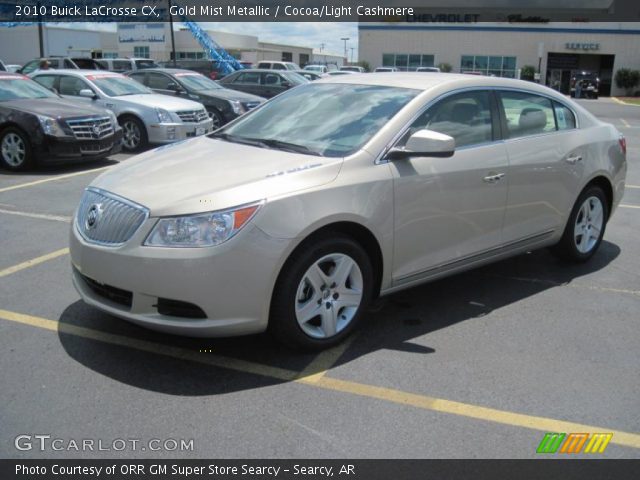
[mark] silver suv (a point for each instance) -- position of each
(145, 117)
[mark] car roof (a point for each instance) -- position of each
(10, 74)
(76, 72)
(417, 81)
(166, 70)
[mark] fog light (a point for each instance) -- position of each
(171, 133)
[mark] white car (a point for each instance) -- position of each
(146, 117)
(386, 69)
(352, 68)
(317, 68)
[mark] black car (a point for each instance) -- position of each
(222, 104)
(38, 125)
(208, 68)
(266, 83)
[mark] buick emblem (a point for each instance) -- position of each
(93, 215)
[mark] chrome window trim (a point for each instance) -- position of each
(124, 200)
(380, 157)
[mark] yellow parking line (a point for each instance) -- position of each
(325, 361)
(399, 397)
(39, 216)
(51, 179)
(33, 262)
(618, 101)
(626, 124)
(624, 205)
(632, 186)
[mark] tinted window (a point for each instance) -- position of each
(249, 77)
(72, 86)
(141, 64)
(271, 79)
(121, 65)
(264, 65)
(565, 118)
(138, 77)
(527, 114)
(158, 80)
(466, 117)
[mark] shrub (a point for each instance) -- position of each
(528, 72)
(445, 67)
(627, 79)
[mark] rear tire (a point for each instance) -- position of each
(216, 118)
(586, 226)
(321, 294)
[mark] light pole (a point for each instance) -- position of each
(345, 46)
(352, 49)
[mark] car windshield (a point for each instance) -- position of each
(14, 88)
(332, 120)
(118, 85)
(197, 82)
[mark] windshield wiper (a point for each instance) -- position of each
(236, 139)
(287, 146)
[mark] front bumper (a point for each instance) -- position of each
(173, 132)
(58, 149)
(231, 284)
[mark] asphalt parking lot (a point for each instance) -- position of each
(479, 365)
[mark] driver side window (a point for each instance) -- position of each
(465, 116)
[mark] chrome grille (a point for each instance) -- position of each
(193, 116)
(91, 128)
(107, 219)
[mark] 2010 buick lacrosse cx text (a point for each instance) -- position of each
(295, 216)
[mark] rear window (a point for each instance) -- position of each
(527, 114)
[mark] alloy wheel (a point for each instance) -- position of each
(589, 223)
(329, 295)
(14, 151)
(131, 135)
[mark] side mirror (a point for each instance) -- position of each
(175, 88)
(88, 93)
(425, 143)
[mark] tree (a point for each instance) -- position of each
(365, 65)
(445, 67)
(528, 72)
(627, 79)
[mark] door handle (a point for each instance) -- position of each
(493, 177)
(574, 159)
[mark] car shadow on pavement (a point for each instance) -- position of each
(393, 323)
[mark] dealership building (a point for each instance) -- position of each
(556, 50)
(20, 44)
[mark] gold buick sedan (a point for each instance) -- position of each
(293, 217)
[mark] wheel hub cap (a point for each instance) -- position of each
(589, 223)
(329, 296)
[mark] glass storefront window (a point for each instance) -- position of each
(407, 62)
(489, 65)
(466, 63)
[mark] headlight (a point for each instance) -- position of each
(50, 126)
(113, 118)
(237, 107)
(200, 230)
(163, 116)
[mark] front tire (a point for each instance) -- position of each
(321, 294)
(216, 118)
(134, 134)
(15, 150)
(586, 225)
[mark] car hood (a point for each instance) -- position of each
(156, 100)
(207, 174)
(229, 94)
(53, 107)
